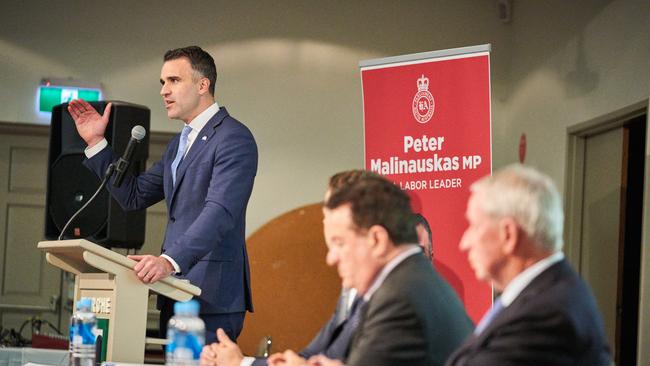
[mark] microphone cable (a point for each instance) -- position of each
(107, 175)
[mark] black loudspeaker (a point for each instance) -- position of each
(70, 184)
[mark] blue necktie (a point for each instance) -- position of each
(182, 145)
(489, 316)
(356, 311)
(341, 338)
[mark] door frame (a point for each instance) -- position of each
(573, 193)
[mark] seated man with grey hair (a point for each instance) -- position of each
(546, 314)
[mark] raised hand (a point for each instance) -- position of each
(90, 124)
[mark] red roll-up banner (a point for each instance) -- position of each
(427, 127)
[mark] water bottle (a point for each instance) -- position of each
(185, 334)
(83, 330)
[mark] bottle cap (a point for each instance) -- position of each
(85, 302)
(189, 307)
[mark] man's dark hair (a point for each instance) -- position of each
(347, 177)
(374, 200)
(200, 60)
(421, 220)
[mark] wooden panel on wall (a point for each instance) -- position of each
(23, 262)
(27, 169)
(25, 278)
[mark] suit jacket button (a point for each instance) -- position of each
(171, 219)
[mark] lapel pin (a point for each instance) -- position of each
(204, 138)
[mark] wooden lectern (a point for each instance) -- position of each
(118, 295)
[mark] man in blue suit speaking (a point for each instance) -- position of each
(205, 176)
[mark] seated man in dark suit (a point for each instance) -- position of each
(408, 314)
(334, 338)
(546, 314)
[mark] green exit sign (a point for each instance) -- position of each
(49, 96)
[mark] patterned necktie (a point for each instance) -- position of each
(182, 145)
(341, 339)
(342, 335)
(356, 311)
(489, 316)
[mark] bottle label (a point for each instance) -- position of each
(83, 333)
(184, 346)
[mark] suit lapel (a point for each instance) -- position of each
(201, 141)
(537, 286)
(408, 264)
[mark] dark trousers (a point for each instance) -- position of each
(231, 323)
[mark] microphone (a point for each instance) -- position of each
(137, 134)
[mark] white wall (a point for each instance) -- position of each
(289, 70)
(572, 61)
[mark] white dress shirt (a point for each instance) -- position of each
(519, 283)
